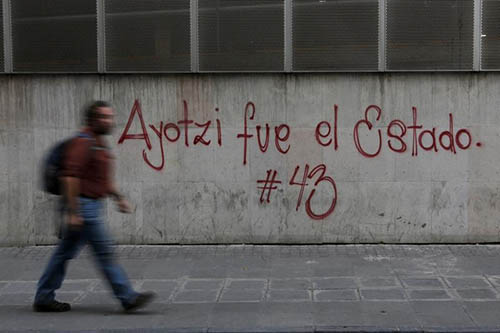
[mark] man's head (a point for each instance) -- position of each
(99, 117)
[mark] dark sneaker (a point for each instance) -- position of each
(140, 301)
(53, 306)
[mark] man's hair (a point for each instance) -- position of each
(91, 110)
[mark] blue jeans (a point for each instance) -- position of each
(94, 232)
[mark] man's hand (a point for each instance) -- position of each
(74, 221)
(124, 206)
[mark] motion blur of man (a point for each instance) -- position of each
(87, 178)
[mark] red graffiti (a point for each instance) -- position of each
(322, 178)
(398, 137)
(269, 185)
(219, 130)
(201, 138)
(368, 124)
(432, 134)
(263, 146)
(397, 130)
(319, 135)
(159, 133)
(245, 134)
(163, 132)
(279, 136)
(460, 133)
(402, 128)
(177, 130)
(144, 135)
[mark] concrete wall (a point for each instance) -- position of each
(206, 194)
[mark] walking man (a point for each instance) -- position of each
(87, 179)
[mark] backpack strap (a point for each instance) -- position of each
(94, 141)
(86, 135)
(93, 146)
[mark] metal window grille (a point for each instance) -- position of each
(241, 35)
(54, 36)
(2, 64)
(148, 35)
(335, 34)
(244, 35)
(430, 34)
(490, 38)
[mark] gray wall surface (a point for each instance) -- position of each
(204, 192)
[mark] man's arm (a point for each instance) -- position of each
(123, 204)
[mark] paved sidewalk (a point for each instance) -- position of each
(324, 288)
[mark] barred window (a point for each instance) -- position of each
(490, 37)
(148, 35)
(54, 35)
(430, 34)
(241, 35)
(63, 36)
(2, 64)
(335, 35)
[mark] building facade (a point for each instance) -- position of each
(269, 121)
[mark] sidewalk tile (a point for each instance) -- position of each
(11, 274)
(162, 296)
(299, 314)
(20, 287)
(422, 282)
(338, 314)
(467, 282)
(238, 295)
(167, 285)
(289, 296)
(101, 297)
(477, 294)
(335, 283)
(68, 297)
(69, 285)
(372, 282)
(428, 294)
(335, 295)
(251, 268)
(367, 269)
(415, 272)
(388, 314)
(383, 294)
(103, 285)
(487, 265)
(441, 314)
(405, 267)
(188, 316)
(495, 280)
(203, 284)
(177, 268)
(17, 299)
(234, 316)
(247, 283)
(196, 296)
(302, 284)
(290, 271)
(333, 267)
(484, 313)
(82, 269)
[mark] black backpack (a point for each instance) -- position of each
(52, 165)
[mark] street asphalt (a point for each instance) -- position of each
(262, 288)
